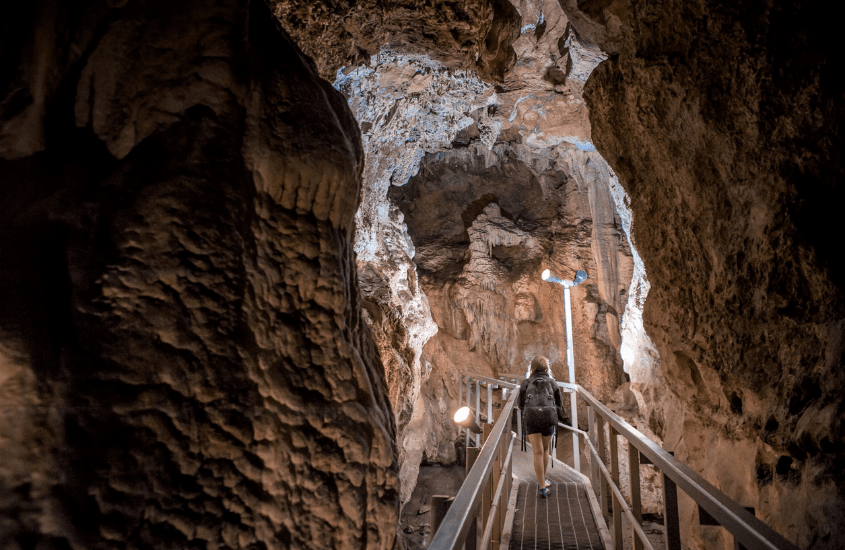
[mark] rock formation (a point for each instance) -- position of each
(747, 313)
(472, 34)
(722, 121)
(182, 357)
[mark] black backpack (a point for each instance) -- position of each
(540, 405)
(540, 393)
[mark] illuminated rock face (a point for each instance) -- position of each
(450, 284)
(480, 260)
(183, 361)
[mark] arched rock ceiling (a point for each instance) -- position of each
(450, 190)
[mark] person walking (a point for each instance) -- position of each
(540, 401)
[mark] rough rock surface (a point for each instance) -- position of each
(498, 226)
(183, 361)
(471, 34)
(723, 122)
(405, 105)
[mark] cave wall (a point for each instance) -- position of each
(183, 361)
(723, 122)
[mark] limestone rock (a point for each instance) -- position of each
(480, 274)
(723, 124)
(473, 34)
(182, 356)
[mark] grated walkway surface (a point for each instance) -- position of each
(563, 521)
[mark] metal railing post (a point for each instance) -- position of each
(636, 502)
(591, 429)
(478, 440)
(509, 473)
(494, 482)
(468, 381)
(605, 487)
(487, 491)
(576, 448)
(614, 474)
(472, 535)
(671, 520)
(490, 418)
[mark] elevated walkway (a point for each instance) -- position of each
(564, 520)
(498, 506)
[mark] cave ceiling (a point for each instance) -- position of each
(472, 185)
(475, 34)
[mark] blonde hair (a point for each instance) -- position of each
(540, 363)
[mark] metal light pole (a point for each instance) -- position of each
(580, 276)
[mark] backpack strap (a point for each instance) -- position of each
(524, 446)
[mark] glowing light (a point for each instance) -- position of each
(461, 415)
(464, 419)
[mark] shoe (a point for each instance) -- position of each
(544, 492)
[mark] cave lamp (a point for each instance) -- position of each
(465, 419)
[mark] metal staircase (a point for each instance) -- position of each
(487, 513)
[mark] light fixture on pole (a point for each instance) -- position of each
(465, 419)
(580, 277)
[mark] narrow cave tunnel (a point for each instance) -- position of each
(250, 246)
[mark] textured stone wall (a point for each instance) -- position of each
(471, 34)
(723, 122)
(183, 361)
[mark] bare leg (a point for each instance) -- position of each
(547, 449)
(540, 456)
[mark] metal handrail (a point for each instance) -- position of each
(494, 506)
(745, 527)
(456, 523)
(617, 493)
(494, 381)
